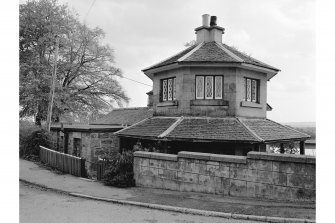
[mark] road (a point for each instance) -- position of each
(40, 205)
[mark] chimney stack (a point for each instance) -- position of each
(209, 31)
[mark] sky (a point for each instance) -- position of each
(280, 33)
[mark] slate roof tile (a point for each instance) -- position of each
(223, 129)
(216, 129)
(172, 59)
(211, 52)
(152, 127)
(270, 131)
(125, 116)
(247, 58)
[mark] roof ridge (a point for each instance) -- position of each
(244, 54)
(231, 54)
(289, 127)
(131, 126)
(131, 108)
(162, 61)
(191, 52)
(250, 130)
(206, 117)
(171, 128)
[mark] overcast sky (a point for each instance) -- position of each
(280, 33)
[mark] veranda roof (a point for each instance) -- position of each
(228, 129)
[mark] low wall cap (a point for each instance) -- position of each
(281, 157)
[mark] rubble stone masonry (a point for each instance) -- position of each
(259, 174)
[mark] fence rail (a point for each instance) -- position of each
(63, 162)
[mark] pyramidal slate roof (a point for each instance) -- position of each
(125, 116)
(228, 129)
(211, 52)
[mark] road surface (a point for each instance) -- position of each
(40, 205)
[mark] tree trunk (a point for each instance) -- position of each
(38, 119)
(38, 116)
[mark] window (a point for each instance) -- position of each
(209, 87)
(168, 89)
(251, 90)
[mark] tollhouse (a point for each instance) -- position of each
(209, 98)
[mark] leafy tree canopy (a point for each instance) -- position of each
(86, 82)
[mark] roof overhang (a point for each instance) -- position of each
(186, 139)
(270, 73)
(86, 128)
(150, 73)
(211, 140)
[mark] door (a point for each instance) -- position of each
(77, 147)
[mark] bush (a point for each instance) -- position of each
(289, 148)
(31, 137)
(119, 169)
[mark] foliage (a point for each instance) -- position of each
(31, 137)
(148, 147)
(191, 43)
(119, 171)
(289, 148)
(86, 81)
(294, 147)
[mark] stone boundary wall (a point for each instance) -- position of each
(259, 174)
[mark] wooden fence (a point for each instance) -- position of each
(63, 162)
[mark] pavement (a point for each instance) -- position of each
(39, 205)
(184, 202)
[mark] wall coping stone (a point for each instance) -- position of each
(161, 156)
(281, 157)
(228, 158)
(142, 154)
(194, 155)
(164, 156)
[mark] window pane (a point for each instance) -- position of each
(254, 91)
(218, 87)
(248, 90)
(164, 90)
(170, 89)
(199, 87)
(209, 87)
(174, 88)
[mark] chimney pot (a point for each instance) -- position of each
(213, 21)
(205, 19)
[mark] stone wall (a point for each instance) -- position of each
(260, 175)
(93, 144)
(233, 93)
